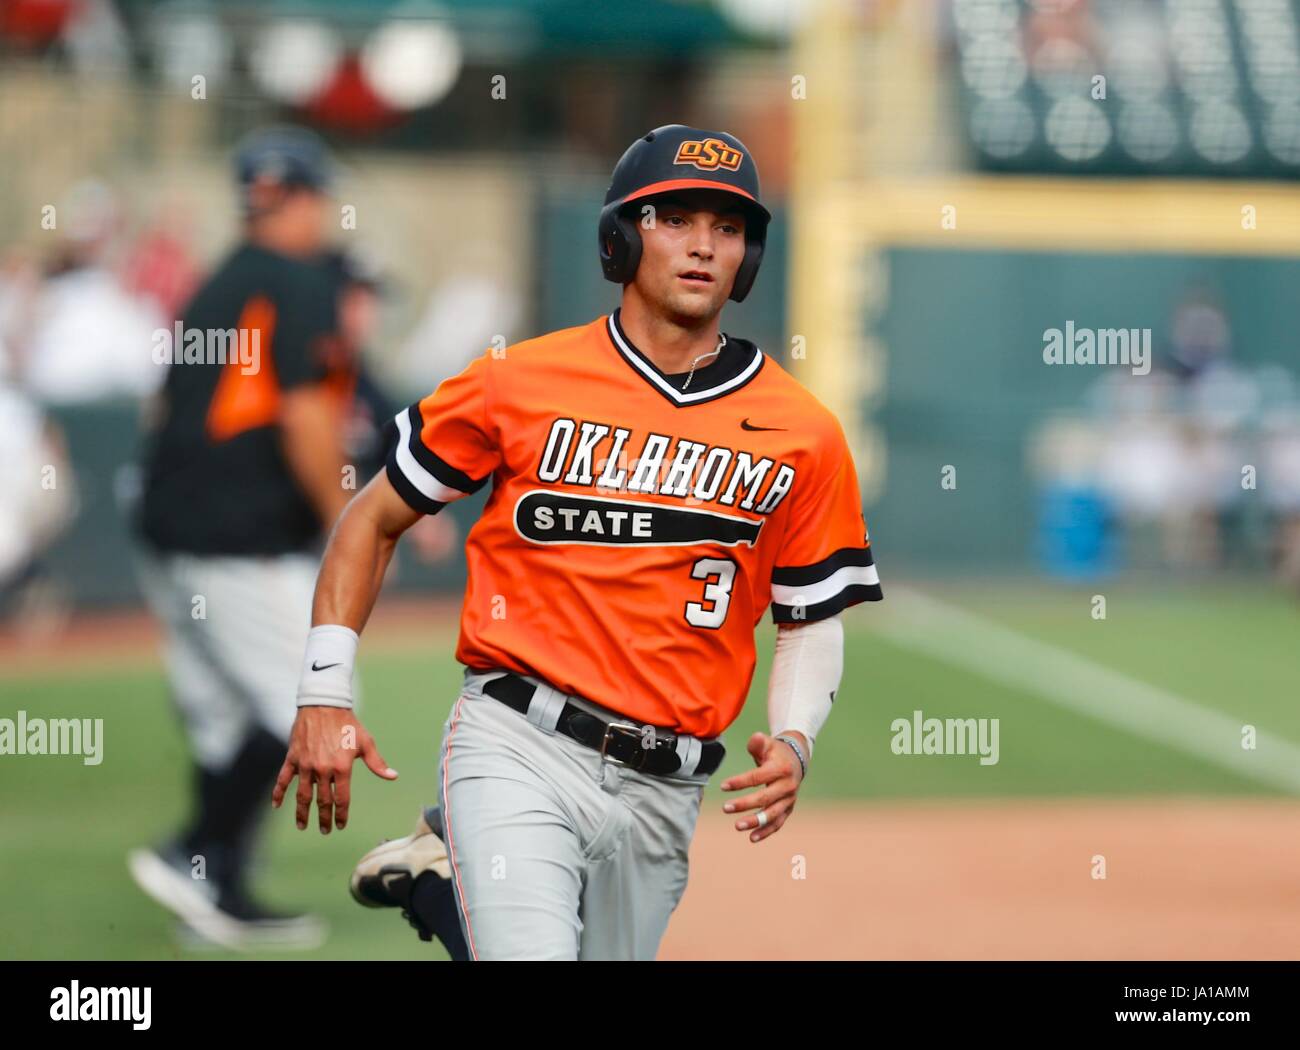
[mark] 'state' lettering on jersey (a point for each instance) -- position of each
(635, 532)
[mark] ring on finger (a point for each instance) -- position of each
(762, 818)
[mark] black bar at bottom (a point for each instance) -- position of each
(380, 1001)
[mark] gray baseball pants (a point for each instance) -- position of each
(555, 852)
(234, 630)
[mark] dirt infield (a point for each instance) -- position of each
(1185, 879)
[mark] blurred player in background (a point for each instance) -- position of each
(358, 290)
(242, 477)
(369, 430)
(32, 516)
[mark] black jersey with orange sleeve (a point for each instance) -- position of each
(639, 524)
(215, 477)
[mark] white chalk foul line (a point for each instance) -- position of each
(955, 636)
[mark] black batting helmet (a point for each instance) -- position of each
(289, 156)
(676, 157)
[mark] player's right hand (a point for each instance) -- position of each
(322, 747)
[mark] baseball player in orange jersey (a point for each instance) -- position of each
(656, 486)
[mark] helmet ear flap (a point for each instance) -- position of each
(755, 242)
(620, 244)
(748, 271)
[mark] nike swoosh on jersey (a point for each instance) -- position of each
(745, 424)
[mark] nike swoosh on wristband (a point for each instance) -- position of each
(745, 424)
(323, 667)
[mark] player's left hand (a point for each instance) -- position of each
(779, 774)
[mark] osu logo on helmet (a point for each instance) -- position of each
(709, 155)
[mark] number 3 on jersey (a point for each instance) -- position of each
(720, 574)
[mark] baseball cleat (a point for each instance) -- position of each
(385, 876)
(228, 921)
(414, 874)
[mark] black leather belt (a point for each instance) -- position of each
(622, 743)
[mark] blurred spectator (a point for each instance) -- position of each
(20, 280)
(1280, 470)
(160, 269)
(1171, 450)
(39, 489)
(1142, 460)
(1220, 400)
(89, 339)
(1199, 334)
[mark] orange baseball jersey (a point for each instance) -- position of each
(639, 524)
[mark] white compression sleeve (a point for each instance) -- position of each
(806, 673)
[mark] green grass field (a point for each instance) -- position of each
(65, 827)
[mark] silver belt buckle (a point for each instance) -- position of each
(626, 728)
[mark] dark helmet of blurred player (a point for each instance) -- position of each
(284, 176)
(287, 156)
(673, 158)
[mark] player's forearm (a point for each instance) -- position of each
(352, 570)
(346, 588)
(345, 594)
(358, 553)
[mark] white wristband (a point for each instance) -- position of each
(327, 667)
